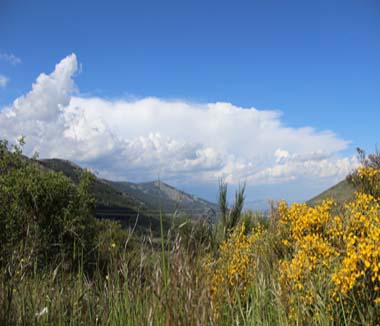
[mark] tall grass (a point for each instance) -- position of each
(149, 292)
(159, 286)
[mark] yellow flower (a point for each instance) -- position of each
(235, 267)
(342, 251)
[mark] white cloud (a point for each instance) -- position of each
(3, 81)
(150, 137)
(312, 165)
(10, 58)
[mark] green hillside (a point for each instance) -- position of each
(341, 192)
(110, 202)
(159, 195)
(125, 201)
(106, 195)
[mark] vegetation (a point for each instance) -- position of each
(230, 217)
(301, 265)
(44, 216)
(366, 178)
(126, 199)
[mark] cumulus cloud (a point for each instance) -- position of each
(308, 165)
(178, 140)
(10, 58)
(3, 81)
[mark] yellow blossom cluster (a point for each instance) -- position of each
(338, 255)
(325, 258)
(233, 270)
(368, 180)
(306, 231)
(301, 220)
(359, 272)
(368, 172)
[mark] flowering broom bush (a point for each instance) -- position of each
(310, 235)
(333, 261)
(357, 278)
(324, 261)
(233, 271)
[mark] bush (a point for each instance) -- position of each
(333, 262)
(366, 178)
(44, 217)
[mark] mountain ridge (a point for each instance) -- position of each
(150, 198)
(162, 196)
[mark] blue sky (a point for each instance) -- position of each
(315, 61)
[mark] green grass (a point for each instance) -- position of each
(160, 286)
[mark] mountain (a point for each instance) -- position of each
(125, 200)
(104, 193)
(341, 192)
(158, 195)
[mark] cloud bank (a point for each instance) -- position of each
(179, 141)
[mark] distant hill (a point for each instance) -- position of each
(124, 200)
(341, 192)
(158, 195)
(103, 191)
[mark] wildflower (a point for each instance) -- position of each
(235, 267)
(339, 252)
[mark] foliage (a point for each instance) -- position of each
(357, 280)
(233, 271)
(332, 256)
(230, 217)
(43, 215)
(309, 235)
(366, 178)
(197, 236)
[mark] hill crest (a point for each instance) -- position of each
(150, 197)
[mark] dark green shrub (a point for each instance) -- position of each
(44, 217)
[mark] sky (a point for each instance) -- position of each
(277, 94)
